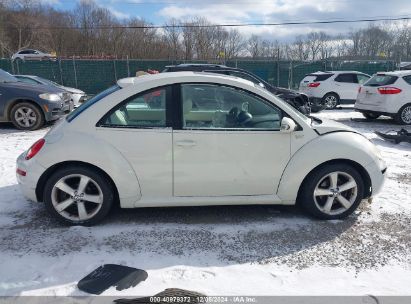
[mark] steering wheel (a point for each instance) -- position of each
(237, 118)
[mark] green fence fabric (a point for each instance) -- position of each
(93, 76)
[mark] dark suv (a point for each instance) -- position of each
(294, 98)
(30, 106)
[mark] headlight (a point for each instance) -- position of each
(50, 97)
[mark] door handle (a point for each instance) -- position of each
(185, 143)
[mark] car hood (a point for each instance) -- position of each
(329, 126)
(284, 92)
(40, 88)
(72, 90)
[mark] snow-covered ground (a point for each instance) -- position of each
(247, 250)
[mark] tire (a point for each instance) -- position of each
(316, 108)
(371, 115)
(403, 116)
(323, 201)
(78, 209)
(27, 116)
(330, 101)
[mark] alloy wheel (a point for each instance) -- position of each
(77, 197)
(335, 193)
(330, 102)
(25, 117)
(406, 115)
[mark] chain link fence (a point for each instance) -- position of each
(93, 76)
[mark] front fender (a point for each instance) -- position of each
(332, 146)
(95, 152)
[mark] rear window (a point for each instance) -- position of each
(91, 101)
(320, 77)
(381, 80)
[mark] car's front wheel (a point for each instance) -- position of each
(404, 115)
(78, 195)
(26, 116)
(332, 191)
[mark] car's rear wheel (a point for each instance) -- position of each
(332, 192)
(26, 116)
(404, 115)
(330, 101)
(78, 195)
(371, 115)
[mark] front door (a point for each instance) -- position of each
(229, 143)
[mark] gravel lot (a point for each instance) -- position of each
(253, 250)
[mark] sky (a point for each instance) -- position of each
(257, 11)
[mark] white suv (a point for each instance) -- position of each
(387, 93)
(329, 89)
(29, 54)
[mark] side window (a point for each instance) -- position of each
(207, 106)
(27, 80)
(407, 79)
(144, 110)
(362, 78)
(347, 78)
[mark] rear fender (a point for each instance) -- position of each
(98, 153)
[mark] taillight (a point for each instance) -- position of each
(359, 89)
(389, 90)
(35, 148)
(313, 84)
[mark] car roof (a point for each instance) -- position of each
(335, 72)
(183, 76)
(28, 76)
(396, 73)
(197, 65)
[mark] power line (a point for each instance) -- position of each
(188, 25)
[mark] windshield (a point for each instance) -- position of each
(7, 77)
(92, 101)
(44, 80)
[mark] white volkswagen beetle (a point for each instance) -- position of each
(190, 139)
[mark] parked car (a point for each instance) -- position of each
(294, 98)
(113, 150)
(30, 54)
(327, 90)
(29, 106)
(78, 96)
(386, 93)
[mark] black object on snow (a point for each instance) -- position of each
(170, 295)
(122, 277)
(402, 135)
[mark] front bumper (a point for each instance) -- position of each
(56, 111)
(377, 173)
(28, 183)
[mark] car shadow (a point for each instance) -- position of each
(234, 234)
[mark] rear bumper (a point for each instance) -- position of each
(28, 183)
(372, 109)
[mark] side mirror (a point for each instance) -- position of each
(288, 125)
